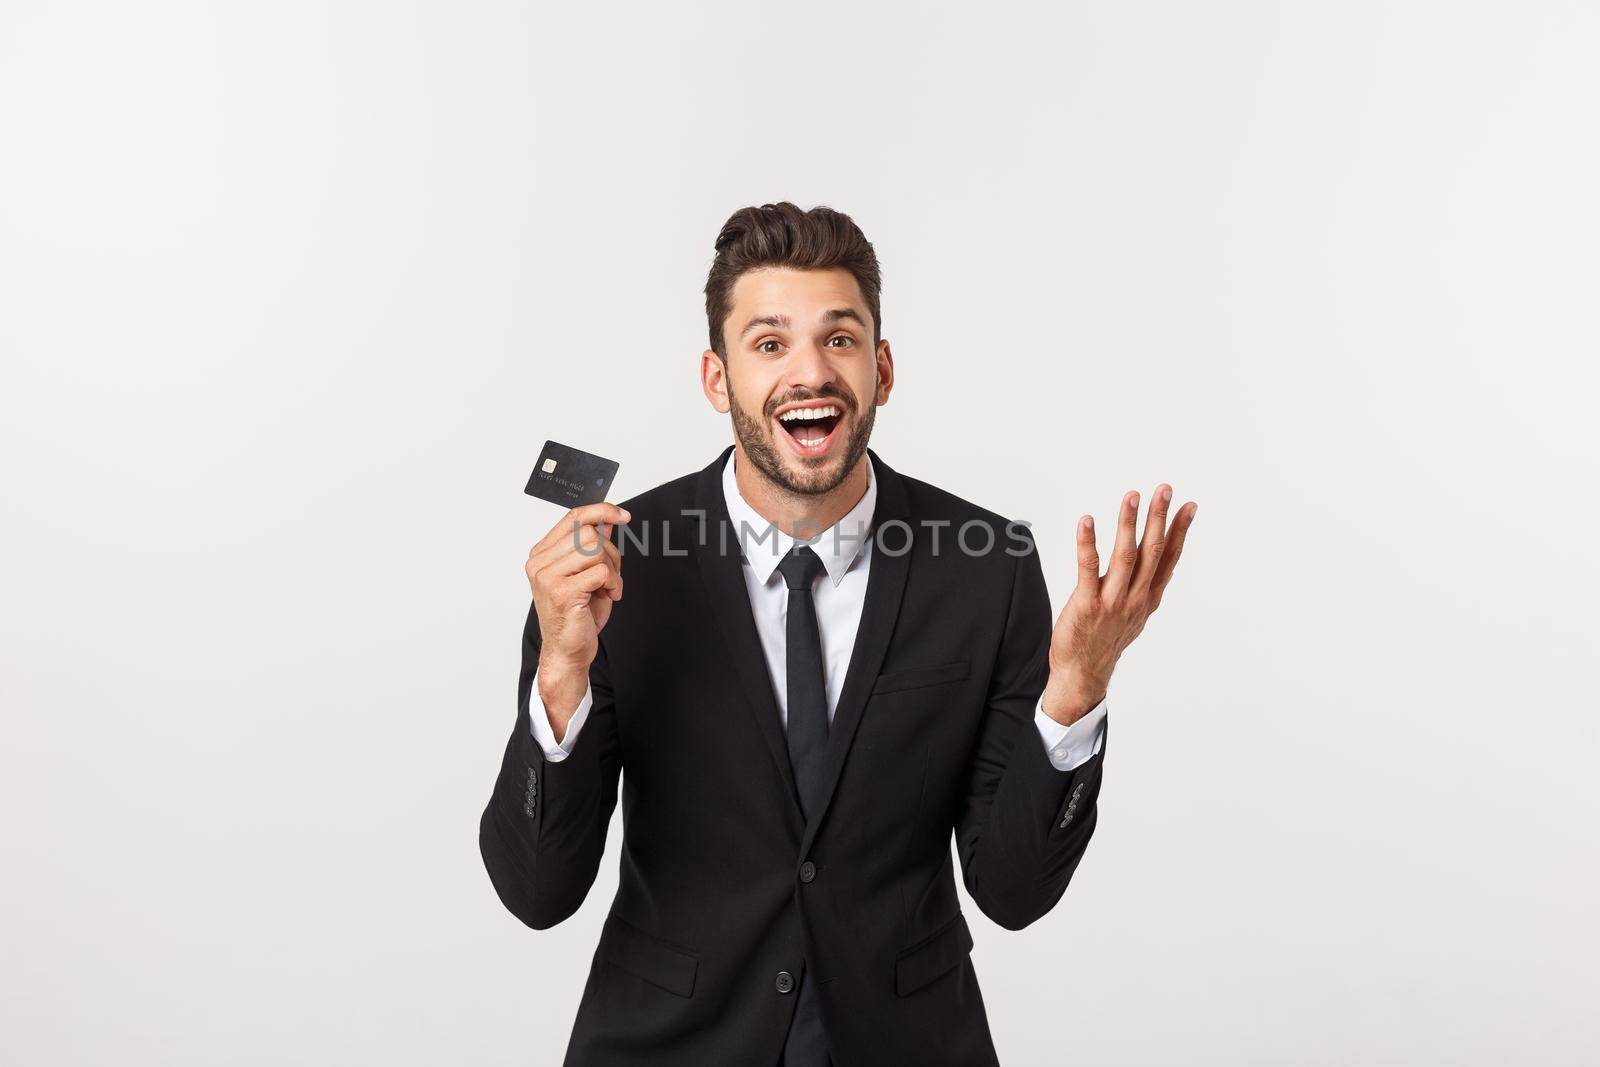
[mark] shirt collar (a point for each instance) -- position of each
(764, 545)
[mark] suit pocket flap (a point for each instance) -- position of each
(915, 967)
(648, 957)
(917, 677)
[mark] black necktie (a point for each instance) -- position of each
(808, 701)
(805, 1045)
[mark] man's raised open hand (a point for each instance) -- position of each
(1106, 612)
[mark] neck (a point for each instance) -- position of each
(807, 513)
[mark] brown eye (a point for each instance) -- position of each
(842, 337)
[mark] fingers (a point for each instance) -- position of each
(1154, 542)
(583, 515)
(1169, 559)
(600, 576)
(577, 543)
(579, 527)
(1088, 562)
(566, 558)
(1124, 553)
(594, 514)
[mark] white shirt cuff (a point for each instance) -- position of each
(1069, 747)
(544, 733)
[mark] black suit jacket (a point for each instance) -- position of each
(727, 893)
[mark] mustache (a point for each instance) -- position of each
(845, 400)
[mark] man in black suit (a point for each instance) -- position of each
(821, 668)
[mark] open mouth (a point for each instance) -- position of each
(810, 430)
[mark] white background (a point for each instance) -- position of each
(291, 294)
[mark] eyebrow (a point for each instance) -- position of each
(781, 322)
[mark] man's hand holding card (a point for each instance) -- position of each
(575, 573)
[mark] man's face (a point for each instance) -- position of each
(802, 381)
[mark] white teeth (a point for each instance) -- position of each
(808, 413)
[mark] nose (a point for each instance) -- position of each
(807, 367)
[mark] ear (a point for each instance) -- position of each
(885, 373)
(714, 381)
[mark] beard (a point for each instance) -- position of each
(756, 437)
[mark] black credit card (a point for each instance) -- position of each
(570, 476)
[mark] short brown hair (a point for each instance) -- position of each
(782, 235)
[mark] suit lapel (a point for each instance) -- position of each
(886, 583)
(721, 570)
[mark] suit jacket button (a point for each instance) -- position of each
(785, 982)
(808, 871)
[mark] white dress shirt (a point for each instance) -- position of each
(846, 553)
